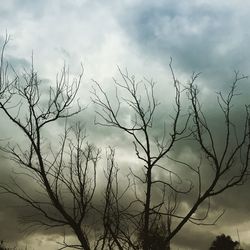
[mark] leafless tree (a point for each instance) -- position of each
(229, 165)
(65, 171)
(145, 210)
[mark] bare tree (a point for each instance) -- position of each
(65, 171)
(229, 165)
(145, 210)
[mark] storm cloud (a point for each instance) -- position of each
(211, 37)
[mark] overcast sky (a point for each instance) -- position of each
(207, 36)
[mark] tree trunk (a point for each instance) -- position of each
(81, 237)
(145, 238)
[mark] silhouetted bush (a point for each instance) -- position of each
(223, 242)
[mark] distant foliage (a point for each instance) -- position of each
(223, 242)
(2, 247)
(156, 238)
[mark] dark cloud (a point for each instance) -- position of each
(209, 37)
(200, 37)
(194, 238)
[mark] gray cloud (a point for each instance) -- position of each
(211, 38)
(207, 36)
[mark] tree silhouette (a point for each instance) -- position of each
(223, 242)
(66, 171)
(155, 155)
(143, 210)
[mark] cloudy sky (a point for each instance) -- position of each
(211, 37)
